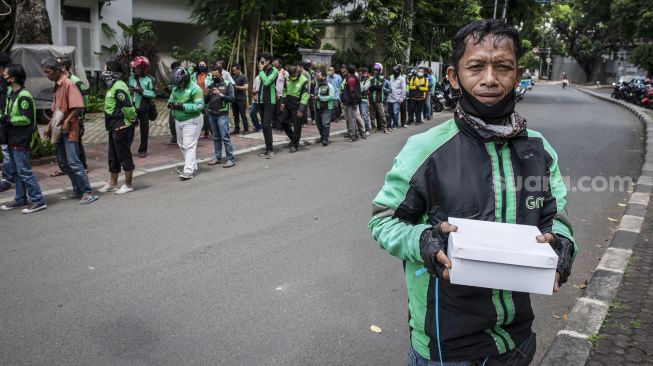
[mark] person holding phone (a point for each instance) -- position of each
(267, 100)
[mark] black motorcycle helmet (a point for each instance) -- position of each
(397, 69)
(179, 77)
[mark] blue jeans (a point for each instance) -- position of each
(220, 128)
(414, 359)
(26, 184)
(253, 115)
(6, 165)
(69, 163)
(428, 109)
(365, 112)
(394, 108)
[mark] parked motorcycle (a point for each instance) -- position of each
(445, 97)
(520, 92)
(618, 90)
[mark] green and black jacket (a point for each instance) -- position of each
(118, 107)
(83, 89)
(295, 93)
(219, 105)
(268, 88)
(451, 171)
(22, 113)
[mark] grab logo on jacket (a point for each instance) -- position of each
(533, 203)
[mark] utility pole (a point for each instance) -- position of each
(494, 16)
(505, 8)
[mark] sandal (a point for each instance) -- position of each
(57, 173)
(90, 199)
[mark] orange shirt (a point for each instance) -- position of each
(67, 97)
(200, 81)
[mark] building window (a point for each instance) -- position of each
(76, 14)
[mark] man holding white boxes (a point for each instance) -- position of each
(472, 167)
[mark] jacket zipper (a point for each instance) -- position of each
(499, 148)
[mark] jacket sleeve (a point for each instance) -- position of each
(26, 112)
(196, 104)
(126, 106)
(148, 89)
(398, 209)
(424, 87)
(267, 80)
(554, 211)
(387, 88)
(231, 94)
(303, 102)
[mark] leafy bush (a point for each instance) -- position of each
(95, 103)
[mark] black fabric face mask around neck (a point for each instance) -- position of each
(488, 113)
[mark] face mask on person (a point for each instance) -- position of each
(330, 73)
(488, 113)
(202, 69)
(420, 74)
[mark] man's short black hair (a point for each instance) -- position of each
(351, 69)
(5, 59)
(66, 63)
(114, 65)
(478, 31)
(18, 73)
(237, 67)
(267, 56)
(175, 65)
(279, 60)
(216, 67)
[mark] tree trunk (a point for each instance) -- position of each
(7, 25)
(407, 21)
(251, 48)
(32, 23)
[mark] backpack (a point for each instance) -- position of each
(352, 91)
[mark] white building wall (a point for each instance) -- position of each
(174, 11)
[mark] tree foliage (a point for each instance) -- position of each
(643, 57)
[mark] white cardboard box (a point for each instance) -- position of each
(500, 256)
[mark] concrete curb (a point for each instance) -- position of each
(571, 346)
(137, 173)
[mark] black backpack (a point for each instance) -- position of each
(350, 96)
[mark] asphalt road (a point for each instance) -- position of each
(268, 263)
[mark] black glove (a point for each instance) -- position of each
(564, 248)
(178, 107)
(430, 243)
(6, 120)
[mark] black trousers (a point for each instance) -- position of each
(294, 132)
(144, 126)
(240, 112)
(311, 108)
(120, 155)
(415, 109)
(82, 152)
(403, 112)
(268, 111)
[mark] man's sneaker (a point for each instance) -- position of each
(229, 164)
(11, 205)
(367, 133)
(234, 132)
(292, 149)
(5, 186)
(107, 187)
(179, 170)
(215, 161)
(34, 208)
(270, 155)
(325, 143)
(263, 154)
(185, 176)
(125, 189)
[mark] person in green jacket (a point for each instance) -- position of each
(119, 118)
(19, 118)
(267, 100)
(187, 104)
(142, 89)
(324, 103)
(294, 102)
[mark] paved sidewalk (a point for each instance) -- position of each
(626, 337)
(160, 152)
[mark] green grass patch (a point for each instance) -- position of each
(594, 339)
